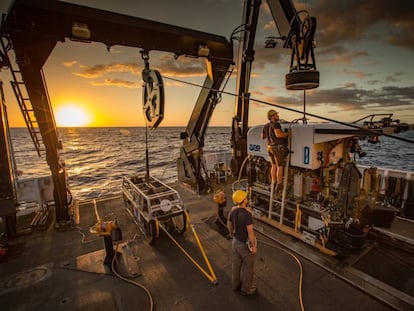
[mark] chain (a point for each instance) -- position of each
(145, 57)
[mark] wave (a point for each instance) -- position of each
(97, 158)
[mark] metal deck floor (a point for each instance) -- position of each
(63, 270)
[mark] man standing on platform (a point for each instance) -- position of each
(276, 147)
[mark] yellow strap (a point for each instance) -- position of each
(211, 276)
(200, 246)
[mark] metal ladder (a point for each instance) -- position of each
(22, 97)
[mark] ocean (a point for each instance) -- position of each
(97, 158)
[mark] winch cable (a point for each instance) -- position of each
(247, 158)
(146, 154)
(365, 130)
(300, 285)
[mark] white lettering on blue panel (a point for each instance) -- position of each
(306, 155)
(254, 147)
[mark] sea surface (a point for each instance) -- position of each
(97, 158)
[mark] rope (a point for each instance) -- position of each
(368, 131)
(98, 219)
(302, 307)
(131, 281)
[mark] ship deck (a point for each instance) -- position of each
(62, 269)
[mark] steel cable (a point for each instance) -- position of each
(365, 130)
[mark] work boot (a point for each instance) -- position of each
(251, 291)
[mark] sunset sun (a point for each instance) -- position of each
(72, 116)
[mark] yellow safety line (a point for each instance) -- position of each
(157, 228)
(211, 277)
(201, 247)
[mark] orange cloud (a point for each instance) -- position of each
(97, 71)
(70, 63)
(116, 82)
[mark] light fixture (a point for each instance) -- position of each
(271, 42)
(203, 50)
(81, 31)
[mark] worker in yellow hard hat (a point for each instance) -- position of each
(244, 244)
(276, 146)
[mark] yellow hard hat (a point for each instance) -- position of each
(271, 113)
(239, 196)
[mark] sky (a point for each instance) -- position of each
(364, 52)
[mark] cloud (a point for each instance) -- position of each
(339, 55)
(70, 63)
(269, 26)
(265, 56)
(179, 68)
(131, 84)
(356, 73)
(173, 83)
(395, 77)
(348, 20)
(182, 67)
(117, 83)
(267, 88)
(350, 85)
(90, 72)
(374, 82)
(392, 78)
(348, 98)
(354, 98)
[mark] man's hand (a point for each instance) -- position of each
(254, 249)
(252, 245)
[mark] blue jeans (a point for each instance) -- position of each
(242, 266)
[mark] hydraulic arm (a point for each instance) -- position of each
(298, 36)
(32, 28)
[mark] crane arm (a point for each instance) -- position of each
(55, 21)
(33, 28)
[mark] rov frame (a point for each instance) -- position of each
(153, 203)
